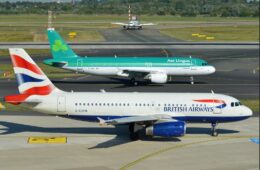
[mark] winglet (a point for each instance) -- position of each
(101, 121)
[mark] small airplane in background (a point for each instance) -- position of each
(133, 23)
(161, 114)
(155, 69)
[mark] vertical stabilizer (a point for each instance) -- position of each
(31, 79)
(59, 48)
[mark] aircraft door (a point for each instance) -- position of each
(79, 65)
(61, 104)
(192, 64)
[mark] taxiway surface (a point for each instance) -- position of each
(91, 147)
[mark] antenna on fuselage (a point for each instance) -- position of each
(212, 92)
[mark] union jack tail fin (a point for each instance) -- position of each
(31, 79)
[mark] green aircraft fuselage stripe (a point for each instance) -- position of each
(129, 62)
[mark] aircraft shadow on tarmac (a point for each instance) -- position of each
(118, 81)
(121, 132)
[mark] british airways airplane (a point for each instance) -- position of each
(161, 114)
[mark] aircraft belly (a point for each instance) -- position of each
(101, 70)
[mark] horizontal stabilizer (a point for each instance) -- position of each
(18, 99)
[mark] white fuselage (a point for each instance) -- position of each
(173, 71)
(179, 106)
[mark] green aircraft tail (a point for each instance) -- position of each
(59, 48)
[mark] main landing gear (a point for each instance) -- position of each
(133, 129)
(134, 82)
(191, 80)
(214, 131)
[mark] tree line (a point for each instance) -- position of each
(223, 8)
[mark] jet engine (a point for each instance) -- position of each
(158, 78)
(167, 129)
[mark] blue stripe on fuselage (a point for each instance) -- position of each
(192, 119)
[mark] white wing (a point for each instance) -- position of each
(119, 23)
(147, 24)
(133, 119)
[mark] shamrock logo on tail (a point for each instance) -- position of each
(58, 45)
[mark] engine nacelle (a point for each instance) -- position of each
(158, 78)
(167, 129)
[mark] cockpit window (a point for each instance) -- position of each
(235, 104)
(204, 64)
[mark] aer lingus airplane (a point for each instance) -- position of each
(161, 114)
(155, 69)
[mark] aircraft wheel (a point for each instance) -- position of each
(214, 131)
(135, 83)
(133, 135)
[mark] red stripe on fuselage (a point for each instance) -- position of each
(209, 101)
(22, 63)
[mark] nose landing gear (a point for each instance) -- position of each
(214, 131)
(191, 80)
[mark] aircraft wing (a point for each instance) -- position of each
(139, 72)
(147, 24)
(119, 23)
(133, 119)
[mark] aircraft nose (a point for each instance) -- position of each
(247, 111)
(211, 69)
